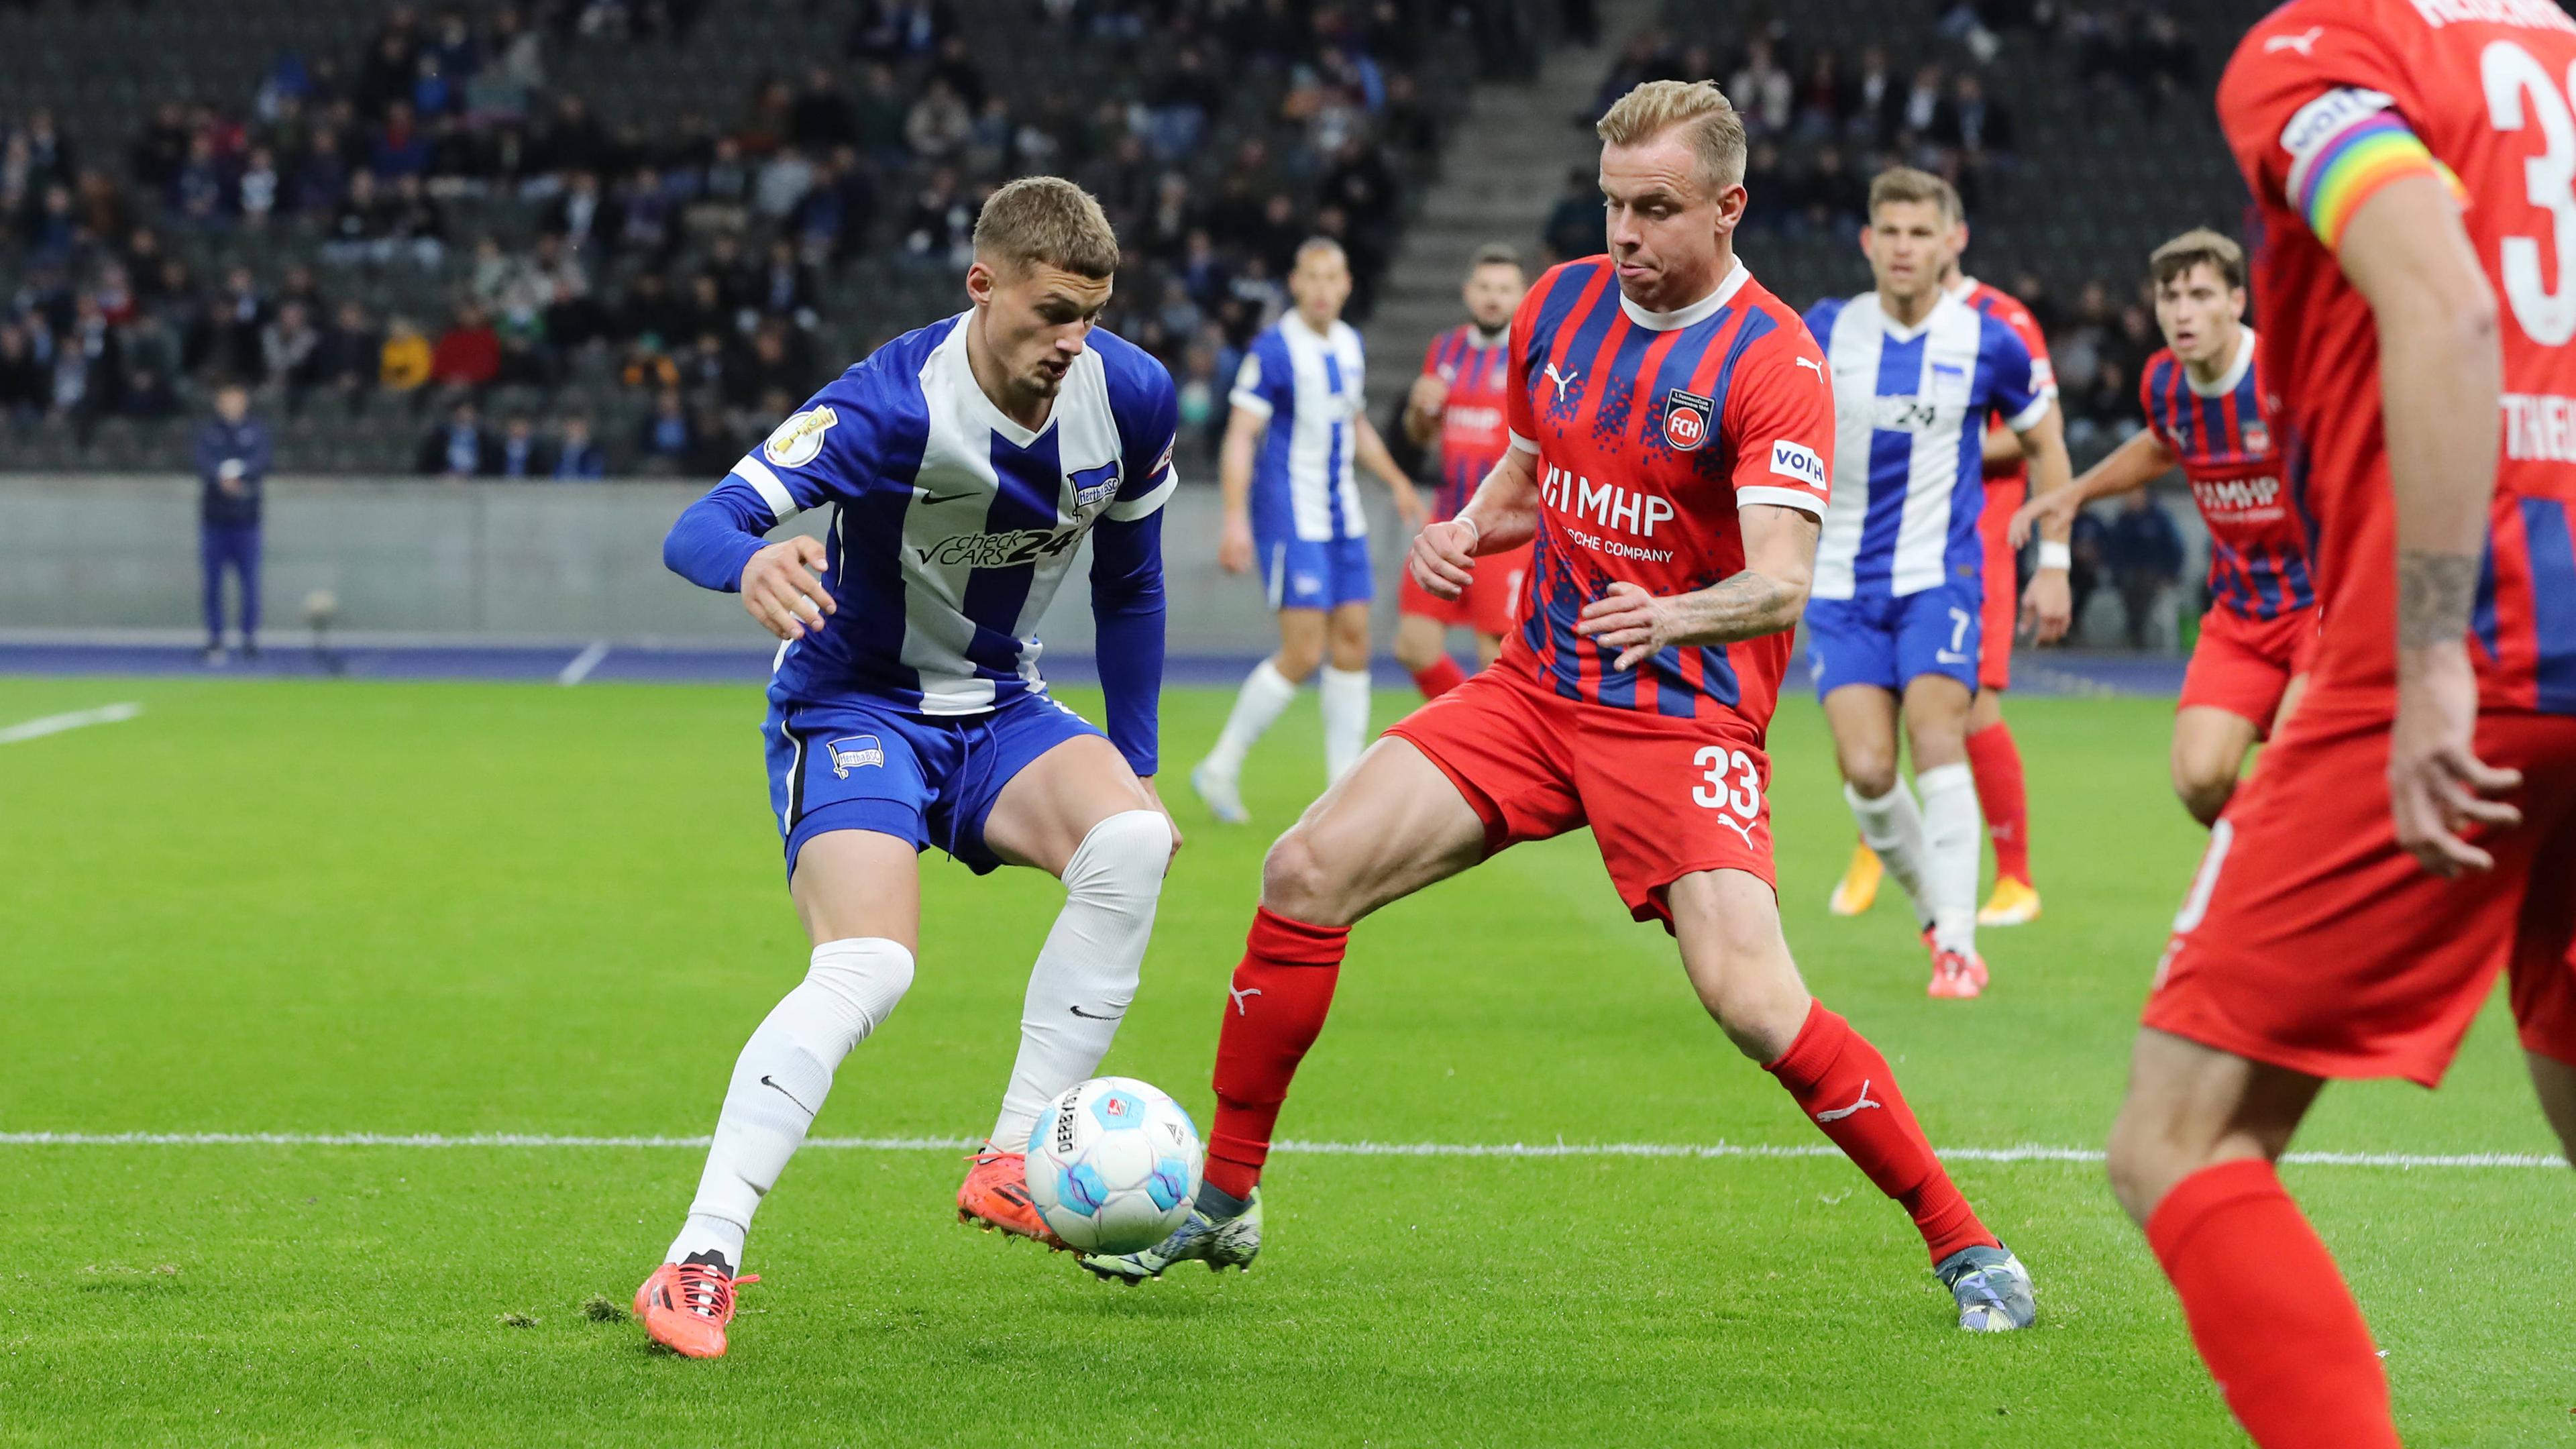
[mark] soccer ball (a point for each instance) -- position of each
(1113, 1165)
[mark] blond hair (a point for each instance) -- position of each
(1046, 221)
(1698, 109)
(1904, 183)
(1495, 254)
(2195, 248)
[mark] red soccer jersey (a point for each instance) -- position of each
(2006, 308)
(2324, 102)
(1473, 430)
(2222, 435)
(1651, 430)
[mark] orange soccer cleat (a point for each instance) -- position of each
(685, 1306)
(995, 1194)
(1956, 975)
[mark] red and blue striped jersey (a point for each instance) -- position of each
(2222, 435)
(1473, 431)
(2325, 103)
(1651, 431)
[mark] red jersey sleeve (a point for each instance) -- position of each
(2147, 403)
(1780, 421)
(1518, 415)
(2043, 372)
(1431, 355)
(2315, 105)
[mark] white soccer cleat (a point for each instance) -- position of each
(1220, 795)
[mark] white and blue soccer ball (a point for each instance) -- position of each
(1113, 1165)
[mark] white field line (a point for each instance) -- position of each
(582, 663)
(54, 724)
(2028, 1152)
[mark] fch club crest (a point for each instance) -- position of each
(851, 751)
(1686, 419)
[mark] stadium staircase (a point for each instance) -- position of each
(1505, 167)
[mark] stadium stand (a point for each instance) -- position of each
(661, 223)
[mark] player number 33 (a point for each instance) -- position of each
(1742, 799)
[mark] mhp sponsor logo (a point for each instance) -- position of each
(853, 751)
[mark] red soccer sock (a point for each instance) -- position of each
(1440, 678)
(1996, 762)
(2269, 1312)
(1846, 1088)
(1277, 1005)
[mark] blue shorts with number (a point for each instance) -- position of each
(1891, 642)
(860, 764)
(1307, 573)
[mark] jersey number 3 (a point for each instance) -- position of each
(2510, 74)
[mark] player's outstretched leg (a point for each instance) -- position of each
(2191, 1159)
(851, 985)
(1396, 825)
(1994, 757)
(1077, 813)
(1728, 924)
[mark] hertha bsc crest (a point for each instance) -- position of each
(1686, 419)
(852, 751)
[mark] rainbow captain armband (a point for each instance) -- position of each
(2344, 146)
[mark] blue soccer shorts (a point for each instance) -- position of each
(1307, 573)
(855, 763)
(1891, 642)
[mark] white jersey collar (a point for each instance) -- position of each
(1899, 330)
(2235, 373)
(1694, 314)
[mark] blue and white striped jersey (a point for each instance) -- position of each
(953, 525)
(1910, 406)
(1309, 386)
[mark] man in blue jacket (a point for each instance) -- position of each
(232, 465)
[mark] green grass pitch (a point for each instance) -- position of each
(315, 907)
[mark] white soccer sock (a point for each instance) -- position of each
(780, 1081)
(1346, 720)
(1265, 693)
(1086, 973)
(1892, 826)
(1954, 839)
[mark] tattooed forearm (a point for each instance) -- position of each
(2435, 593)
(1747, 605)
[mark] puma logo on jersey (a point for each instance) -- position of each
(1812, 365)
(2304, 44)
(1239, 1008)
(1562, 380)
(1837, 1114)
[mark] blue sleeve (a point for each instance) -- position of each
(1820, 319)
(2014, 389)
(1263, 384)
(205, 450)
(1127, 612)
(263, 453)
(1147, 409)
(717, 535)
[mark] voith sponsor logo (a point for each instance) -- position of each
(1798, 461)
(1628, 510)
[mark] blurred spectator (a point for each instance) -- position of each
(520, 454)
(468, 353)
(458, 447)
(232, 457)
(403, 364)
(24, 392)
(287, 347)
(1574, 226)
(347, 359)
(669, 435)
(1762, 89)
(1980, 126)
(2144, 552)
(577, 458)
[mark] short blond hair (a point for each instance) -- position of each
(1046, 221)
(1703, 114)
(2196, 248)
(1904, 183)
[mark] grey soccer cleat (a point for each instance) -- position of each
(1993, 1289)
(1221, 794)
(1233, 1243)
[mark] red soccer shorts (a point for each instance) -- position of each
(2243, 666)
(1664, 797)
(2002, 611)
(2312, 942)
(1490, 604)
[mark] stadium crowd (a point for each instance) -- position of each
(679, 274)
